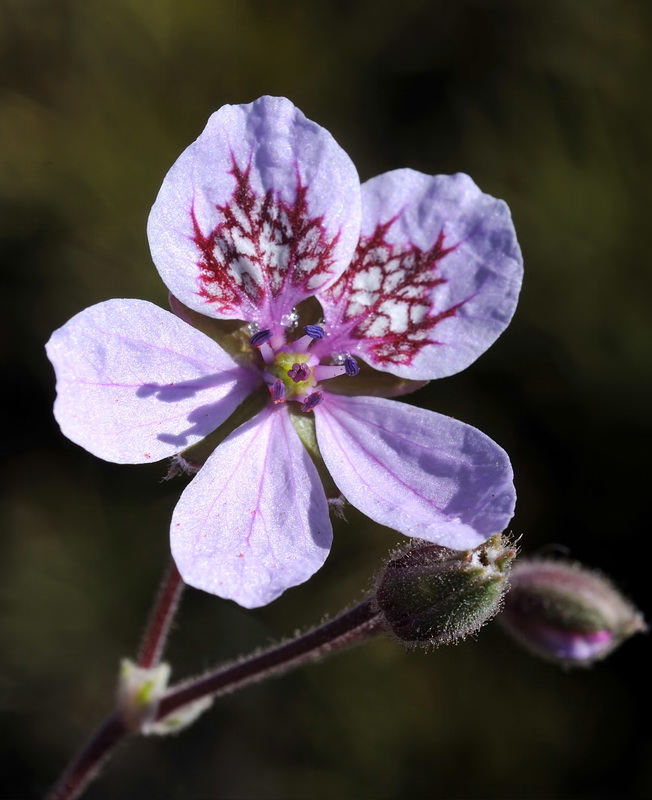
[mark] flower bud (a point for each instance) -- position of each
(430, 594)
(566, 613)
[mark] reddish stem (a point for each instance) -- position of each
(349, 628)
(160, 620)
(88, 761)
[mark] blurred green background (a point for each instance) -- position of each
(545, 104)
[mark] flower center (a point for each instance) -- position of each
(292, 372)
(295, 372)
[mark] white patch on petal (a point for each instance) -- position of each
(258, 243)
(369, 280)
(397, 314)
(392, 281)
(418, 313)
(316, 280)
(378, 327)
(363, 298)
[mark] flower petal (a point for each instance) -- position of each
(435, 278)
(254, 521)
(421, 473)
(257, 214)
(137, 384)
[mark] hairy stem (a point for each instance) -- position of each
(90, 758)
(351, 627)
(161, 617)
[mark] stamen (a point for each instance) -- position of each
(351, 366)
(324, 372)
(260, 337)
(267, 352)
(312, 401)
(347, 366)
(277, 390)
(314, 331)
(299, 372)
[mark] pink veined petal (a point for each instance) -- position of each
(257, 214)
(254, 521)
(421, 473)
(137, 384)
(435, 278)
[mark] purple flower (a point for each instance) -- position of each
(416, 276)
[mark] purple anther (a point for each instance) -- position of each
(351, 366)
(261, 337)
(277, 390)
(312, 401)
(314, 331)
(299, 372)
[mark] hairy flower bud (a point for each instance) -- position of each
(430, 594)
(566, 613)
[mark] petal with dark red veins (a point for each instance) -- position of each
(256, 215)
(435, 278)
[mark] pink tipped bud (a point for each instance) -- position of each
(430, 594)
(566, 613)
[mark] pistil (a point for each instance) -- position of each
(299, 372)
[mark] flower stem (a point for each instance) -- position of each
(351, 627)
(90, 758)
(160, 620)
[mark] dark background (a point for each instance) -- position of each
(545, 104)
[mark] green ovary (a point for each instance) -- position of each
(279, 369)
